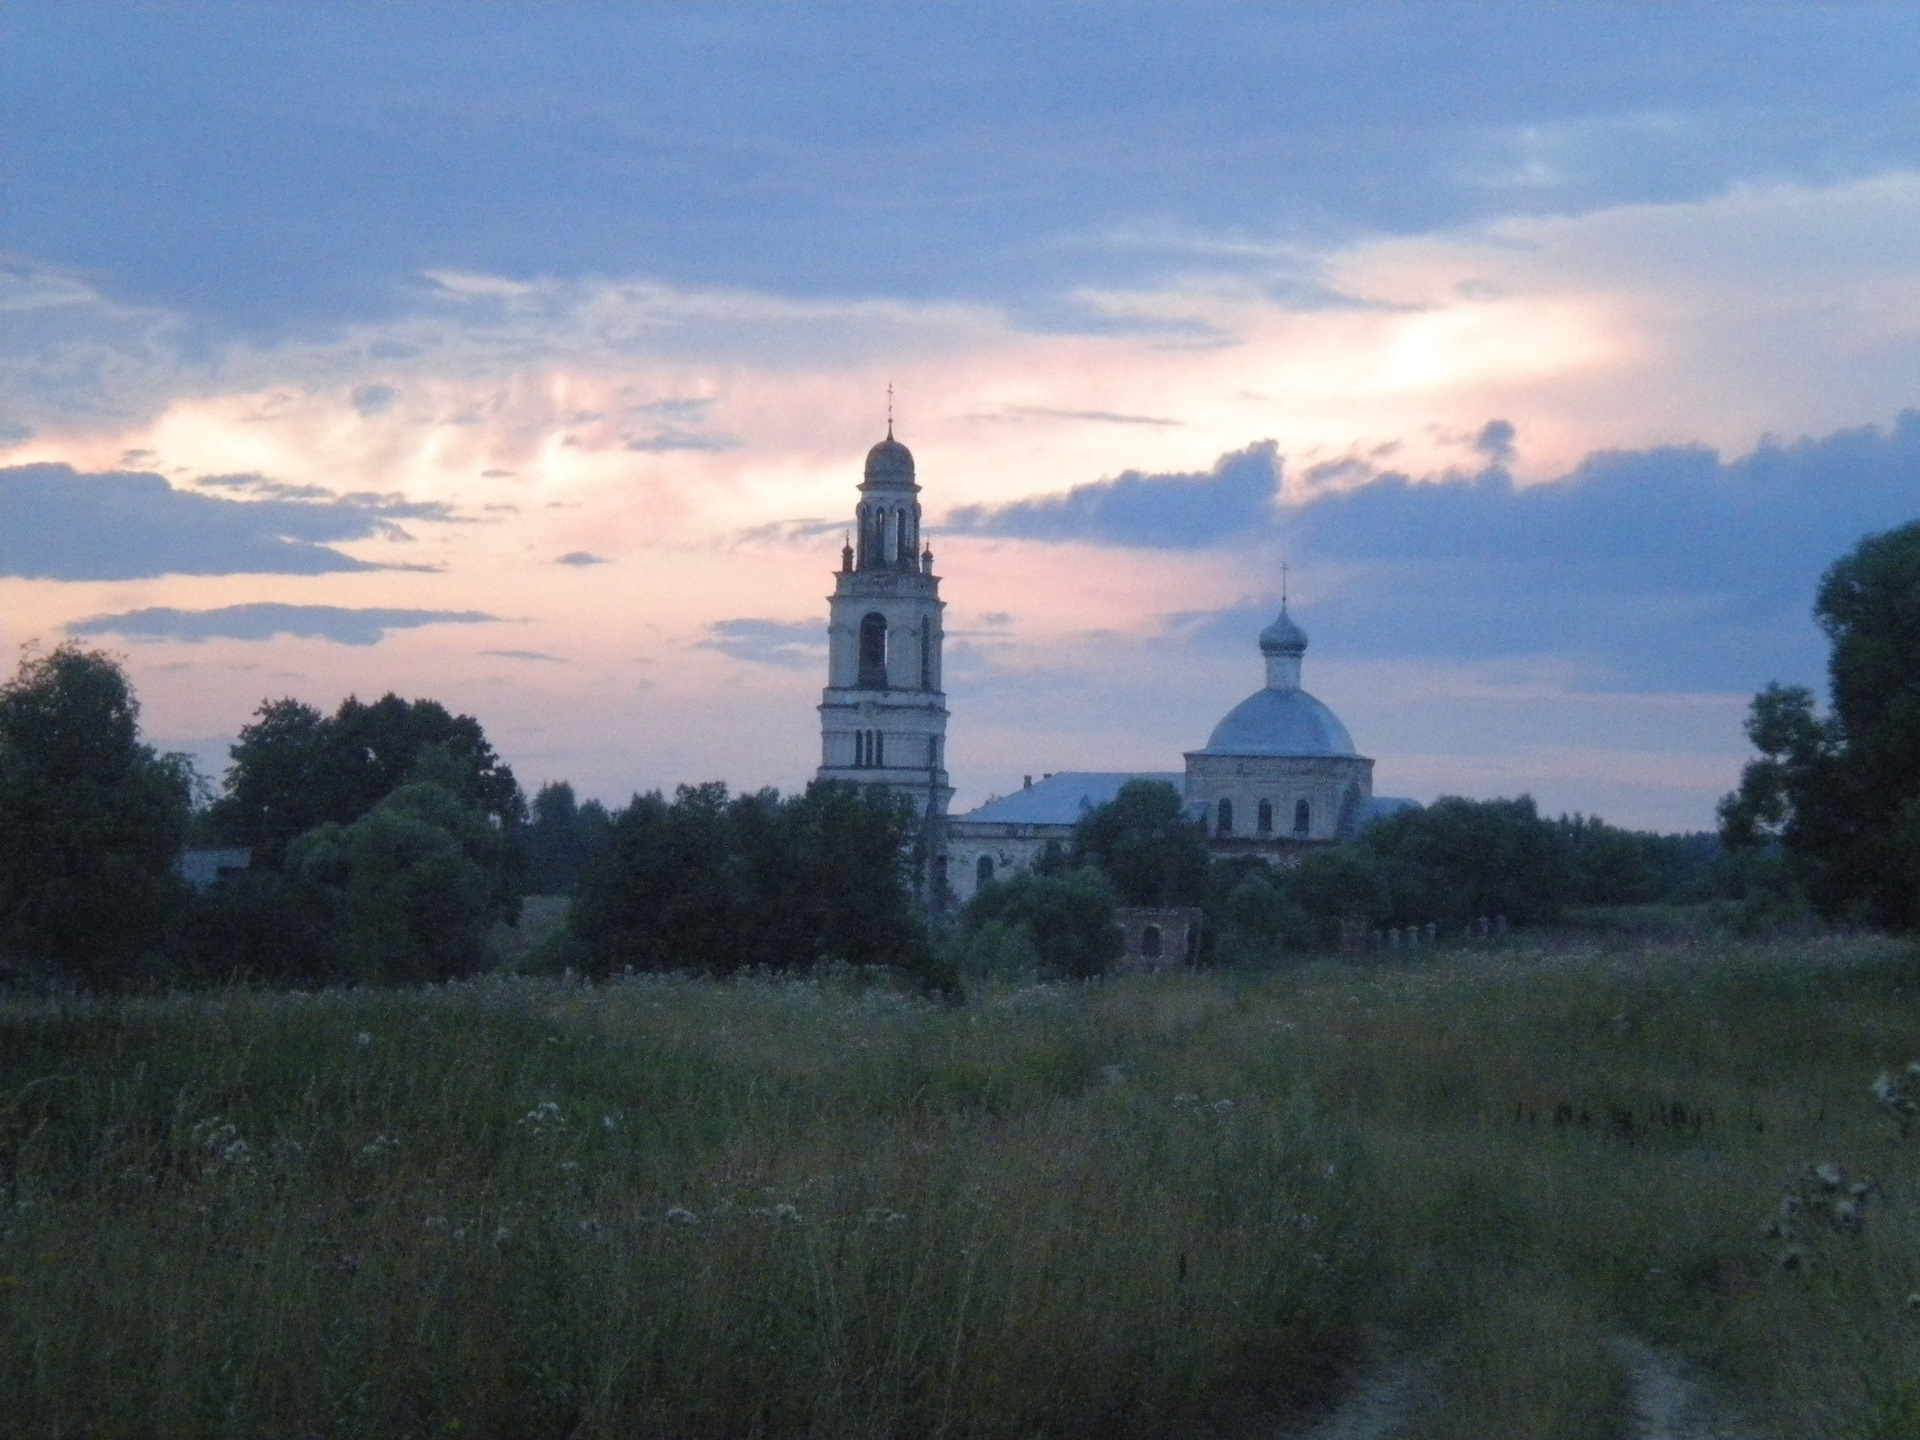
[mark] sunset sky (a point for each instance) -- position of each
(525, 357)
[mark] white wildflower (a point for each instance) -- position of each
(363, 1040)
(1828, 1174)
(680, 1215)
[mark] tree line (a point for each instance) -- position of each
(388, 839)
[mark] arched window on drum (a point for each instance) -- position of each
(1225, 823)
(983, 872)
(1302, 818)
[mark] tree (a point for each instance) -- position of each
(718, 884)
(1144, 843)
(411, 887)
(1840, 794)
(559, 839)
(1460, 859)
(294, 768)
(1257, 918)
(1065, 920)
(93, 821)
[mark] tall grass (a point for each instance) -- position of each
(1149, 1207)
(655, 1207)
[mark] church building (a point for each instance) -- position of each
(1278, 777)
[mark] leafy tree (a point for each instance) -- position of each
(560, 838)
(1331, 885)
(1259, 919)
(718, 884)
(1144, 843)
(1459, 859)
(1840, 794)
(258, 926)
(294, 768)
(410, 888)
(91, 822)
(1066, 920)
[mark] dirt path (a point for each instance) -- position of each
(1386, 1394)
(1668, 1400)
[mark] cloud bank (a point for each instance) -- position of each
(1229, 503)
(57, 523)
(1666, 567)
(268, 621)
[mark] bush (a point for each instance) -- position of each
(1064, 921)
(1258, 921)
(410, 889)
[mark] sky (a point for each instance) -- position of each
(524, 357)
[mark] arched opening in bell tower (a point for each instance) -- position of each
(873, 651)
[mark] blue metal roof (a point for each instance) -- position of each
(1279, 722)
(1062, 798)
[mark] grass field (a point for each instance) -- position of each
(1146, 1207)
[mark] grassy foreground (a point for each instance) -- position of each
(1149, 1207)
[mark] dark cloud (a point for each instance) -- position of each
(374, 399)
(988, 177)
(788, 645)
(539, 655)
(265, 621)
(1108, 417)
(680, 411)
(1495, 441)
(1161, 512)
(668, 440)
(1669, 568)
(580, 557)
(57, 524)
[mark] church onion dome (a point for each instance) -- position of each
(1283, 637)
(889, 463)
(1280, 722)
(1282, 719)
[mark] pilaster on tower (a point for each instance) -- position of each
(883, 714)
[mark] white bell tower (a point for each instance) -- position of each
(883, 716)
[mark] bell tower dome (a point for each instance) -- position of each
(883, 715)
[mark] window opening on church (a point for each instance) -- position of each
(869, 749)
(1226, 817)
(1265, 820)
(933, 750)
(1302, 818)
(873, 652)
(983, 872)
(926, 656)
(1150, 942)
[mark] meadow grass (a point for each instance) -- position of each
(1151, 1206)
